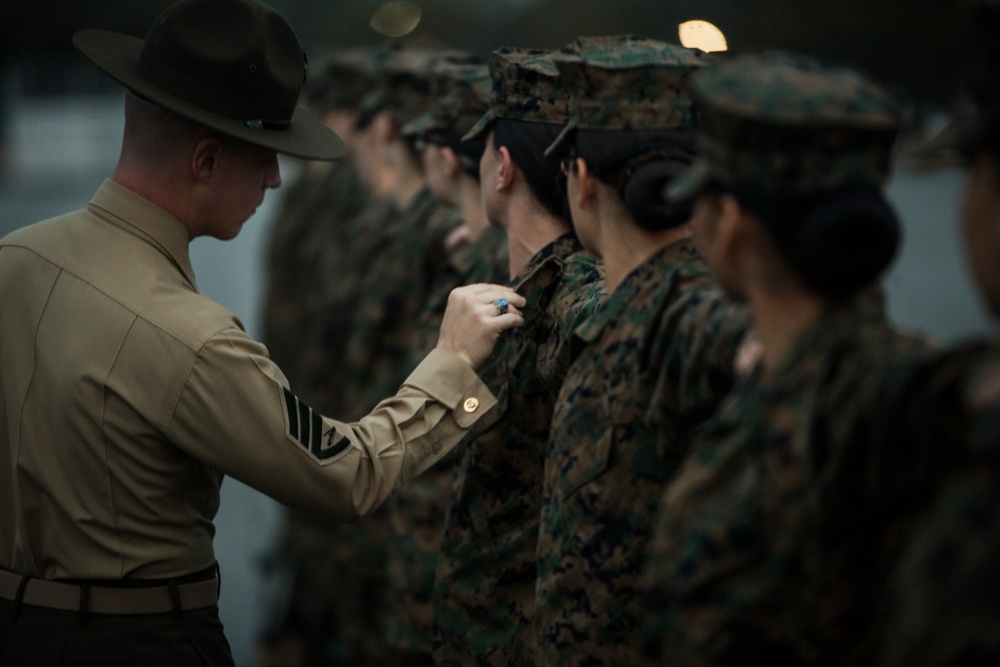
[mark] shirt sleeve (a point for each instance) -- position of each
(237, 415)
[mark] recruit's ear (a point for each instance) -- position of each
(587, 184)
(451, 161)
(505, 169)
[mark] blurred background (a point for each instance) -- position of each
(61, 119)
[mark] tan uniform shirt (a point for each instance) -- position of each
(125, 396)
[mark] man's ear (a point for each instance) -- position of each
(205, 158)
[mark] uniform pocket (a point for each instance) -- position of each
(584, 464)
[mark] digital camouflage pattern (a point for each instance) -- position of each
(416, 511)
(944, 607)
(776, 536)
(525, 87)
(667, 334)
(461, 96)
(626, 83)
(485, 584)
(787, 124)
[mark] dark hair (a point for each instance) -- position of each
(526, 143)
(837, 241)
(467, 152)
(639, 165)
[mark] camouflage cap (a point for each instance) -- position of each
(526, 87)
(624, 83)
(781, 123)
(339, 79)
(461, 96)
(403, 82)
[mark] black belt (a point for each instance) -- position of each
(103, 599)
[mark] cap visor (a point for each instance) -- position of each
(562, 142)
(686, 186)
(420, 125)
(480, 129)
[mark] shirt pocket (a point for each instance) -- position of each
(585, 464)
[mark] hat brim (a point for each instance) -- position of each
(688, 184)
(116, 55)
(481, 128)
(560, 146)
(420, 125)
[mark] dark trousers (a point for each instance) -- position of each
(39, 637)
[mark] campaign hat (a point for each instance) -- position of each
(235, 66)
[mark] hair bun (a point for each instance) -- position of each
(642, 190)
(844, 240)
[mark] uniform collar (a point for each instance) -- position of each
(657, 268)
(146, 220)
(557, 251)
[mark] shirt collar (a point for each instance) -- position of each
(146, 220)
(658, 269)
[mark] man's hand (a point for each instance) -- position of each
(472, 322)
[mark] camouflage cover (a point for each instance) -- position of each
(781, 123)
(340, 79)
(526, 87)
(626, 83)
(403, 82)
(461, 96)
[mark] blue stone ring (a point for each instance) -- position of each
(501, 305)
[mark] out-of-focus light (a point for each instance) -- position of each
(702, 35)
(395, 19)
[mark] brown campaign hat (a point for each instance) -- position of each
(235, 66)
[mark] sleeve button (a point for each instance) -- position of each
(471, 404)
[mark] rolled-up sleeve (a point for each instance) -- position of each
(235, 413)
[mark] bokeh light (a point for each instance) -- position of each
(702, 35)
(395, 19)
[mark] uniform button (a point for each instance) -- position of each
(471, 404)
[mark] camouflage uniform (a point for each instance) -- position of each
(778, 532)
(395, 253)
(311, 228)
(484, 590)
(416, 511)
(944, 607)
(654, 360)
(484, 593)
